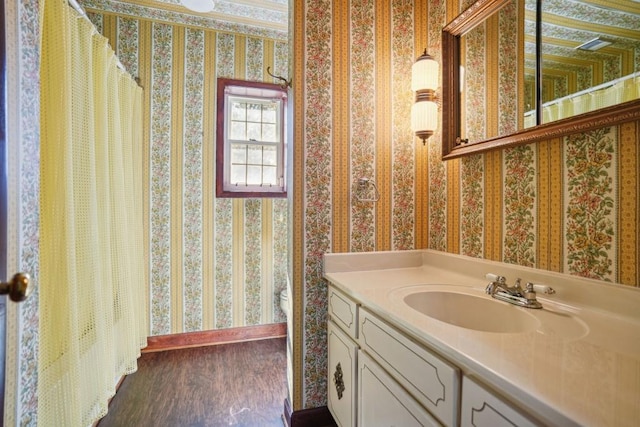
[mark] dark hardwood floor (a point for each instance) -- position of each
(240, 384)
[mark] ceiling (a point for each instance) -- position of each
(268, 18)
(269, 14)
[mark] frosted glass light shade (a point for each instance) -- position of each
(424, 73)
(424, 118)
(201, 6)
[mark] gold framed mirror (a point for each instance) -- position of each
(459, 138)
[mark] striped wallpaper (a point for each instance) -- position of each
(568, 205)
(214, 263)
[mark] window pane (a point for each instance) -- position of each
(269, 133)
(255, 155)
(254, 113)
(238, 131)
(239, 153)
(253, 132)
(270, 156)
(269, 113)
(254, 175)
(269, 175)
(238, 111)
(238, 174)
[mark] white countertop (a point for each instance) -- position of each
(589, 374)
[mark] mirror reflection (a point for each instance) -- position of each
(519, 71)
(491, 59)
(590, 56)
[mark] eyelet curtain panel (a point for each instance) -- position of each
(92, 305)
(626, 89)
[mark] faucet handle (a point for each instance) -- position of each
(535, 287)
(495, 278)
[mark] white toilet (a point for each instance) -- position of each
(284, 301)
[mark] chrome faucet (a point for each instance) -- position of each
(516, 294)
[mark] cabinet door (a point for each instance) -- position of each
(481, 408)
(341, 398)
(382, 402)
(434, 382)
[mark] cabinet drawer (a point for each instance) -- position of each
(341, 364)
(382, 402)
(433, 382)
(343, 311)
(481, 408)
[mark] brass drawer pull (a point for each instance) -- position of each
(338, 380)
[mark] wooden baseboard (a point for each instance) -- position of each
(214, 337)
(314, 417)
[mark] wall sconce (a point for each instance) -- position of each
(424, 82)
(201, 6)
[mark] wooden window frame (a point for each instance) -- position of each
(246, 88)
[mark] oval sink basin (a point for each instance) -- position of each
(472, 312)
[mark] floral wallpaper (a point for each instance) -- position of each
(193, 171)
(510, 75)
(437, 170)
(402, 161)
(590, 203)
(317, 192)
(363, 146)
(23, 212)
(519, 209)
(472, 206)
(160, 179)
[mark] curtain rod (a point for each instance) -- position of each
(74, 4)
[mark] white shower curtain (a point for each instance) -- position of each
(92, 315)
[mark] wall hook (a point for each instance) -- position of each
(285, 83)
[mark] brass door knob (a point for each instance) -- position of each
(18, 287)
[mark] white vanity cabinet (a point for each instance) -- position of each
(431, 347)
(379, 377)
(481, 408)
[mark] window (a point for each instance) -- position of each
(251, 149)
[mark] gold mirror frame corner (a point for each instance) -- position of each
(463, 23)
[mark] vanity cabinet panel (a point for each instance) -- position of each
(481, 408)
(343, 311)
(382, 402)
(342, 369)
(433, 382)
